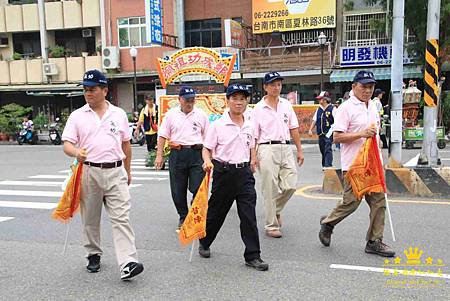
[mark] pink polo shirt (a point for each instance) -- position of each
(353, 116)
(101, 137)
(229, 142)
(184, 129)
(273, 124)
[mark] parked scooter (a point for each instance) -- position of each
(27, 135)
(55, 136)
(141, 137)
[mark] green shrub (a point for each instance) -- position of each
(39, 121)
(57, 51)
(16, 56)
(13, 114)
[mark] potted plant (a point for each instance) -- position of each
(99, 49)
(57, 51)
(16, 56)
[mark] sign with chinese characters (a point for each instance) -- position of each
(370, 55)
(153, 22)
(234, 34)
(193, 61)
(289, 15)
(214, 105)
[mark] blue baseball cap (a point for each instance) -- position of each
(94, 78)
(364, 77)
(236, 88)
(272, 76)
(187, 92)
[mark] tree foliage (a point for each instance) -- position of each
(416, 22)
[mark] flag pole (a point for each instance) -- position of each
(66, 239)
(389, 216)
(192, 250)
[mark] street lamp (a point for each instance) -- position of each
(322, 39)
(133, 53)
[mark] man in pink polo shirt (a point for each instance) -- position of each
(229, 141)
(356, 120)
(184, 127)
(97, 135)
(275, 123)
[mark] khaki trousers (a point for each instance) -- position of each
(350, 203)
(108, 187)
(278, 173)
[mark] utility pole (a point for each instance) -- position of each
(397, 79)
(43, 34)
(429, 154)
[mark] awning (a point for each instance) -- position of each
(379, 73)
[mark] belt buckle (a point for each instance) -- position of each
(240, 165)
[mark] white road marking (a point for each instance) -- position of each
(137, 160)
(31, 183)
(5, 218)
(445, 159)
(134, 178)
(32, 193)
(383, 270)
(148, 179)
(48, 177)
(150, 173)
(140, 167)
(27, 205)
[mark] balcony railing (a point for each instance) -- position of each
(30, 71)
(286, 58)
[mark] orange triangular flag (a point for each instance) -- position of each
(366, 174)
(194, 226)
(70, 201)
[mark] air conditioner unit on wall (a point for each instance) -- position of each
(111, 57)
(50, 69)
(87, 33)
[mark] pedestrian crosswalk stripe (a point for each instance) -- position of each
(150, 173)
(134, 178)
(138, 160)
(47, 177)
(148, 178)
(140, 167)
(32, 193)
(31, 183)
(5, 218)
(27, 205)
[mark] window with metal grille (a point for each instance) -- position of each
(206, 33)
(360, 30)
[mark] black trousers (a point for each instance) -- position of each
(151, 141)
(231, 184)
(185, 172)
(326, 151)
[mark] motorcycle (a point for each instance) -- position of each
(27, 135)
(55, 136)
(141, 137)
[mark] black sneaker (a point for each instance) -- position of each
(325, 233)
(379, 248)
(257, 264)
(93, 263)
(130, 270)
(204, 252)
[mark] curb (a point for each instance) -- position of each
(420, 181)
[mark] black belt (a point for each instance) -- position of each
(226, 165)
(104, 165)
(276, 142)
(193, 146)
